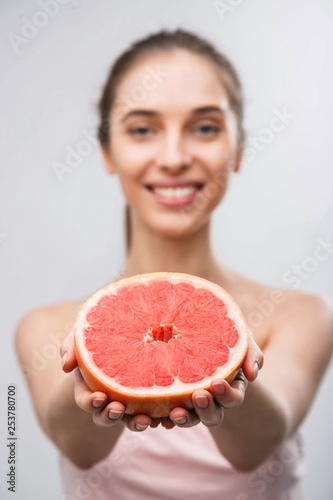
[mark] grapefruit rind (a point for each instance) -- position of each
(157, 401)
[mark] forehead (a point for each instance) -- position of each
(171, 80)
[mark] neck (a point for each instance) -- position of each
(154, 252)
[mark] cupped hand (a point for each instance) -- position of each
(208, 406)
(104, 412)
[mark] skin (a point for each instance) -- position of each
(175, 141)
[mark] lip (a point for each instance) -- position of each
(175, 202)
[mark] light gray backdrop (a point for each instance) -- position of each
(61, 237)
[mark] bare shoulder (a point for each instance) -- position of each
(272, 312)
(53, 314)
(279, 303)
(293, 310)
(43, 323)
(306, 309)
(302, 326)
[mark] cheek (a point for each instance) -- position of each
(131, 160)
(220, 169)
(218, 158)
(216, 188)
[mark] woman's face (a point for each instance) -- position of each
(173, 140)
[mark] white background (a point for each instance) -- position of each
(62, 240)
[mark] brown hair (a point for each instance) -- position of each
(166, 40)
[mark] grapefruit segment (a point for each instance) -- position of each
(151, 340)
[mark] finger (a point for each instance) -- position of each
(229, 396)
(240, 382)
(253, 361)
(109, 415)
(154, 424)
(138, 423)
(208, 412)
(183, 418)
(67, 353)
(67, 343)
(157, 420)
(168, 423)
(114, 413)
(84, 397)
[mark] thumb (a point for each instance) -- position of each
(67, 353)
(253, 361)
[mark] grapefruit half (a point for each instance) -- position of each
(151, 340)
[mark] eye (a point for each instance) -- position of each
(140, 131)
(207, 129)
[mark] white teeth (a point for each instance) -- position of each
(178, 192)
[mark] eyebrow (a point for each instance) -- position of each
(197, 111)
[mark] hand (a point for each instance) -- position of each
(221, 395)
(104, 413)
(107, 414)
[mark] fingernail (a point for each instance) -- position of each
(141, 427)
(98, 402)
(219, 388)
(113, 414)
(255, 369)
(63, 359)
(201, 401)
(180, 420)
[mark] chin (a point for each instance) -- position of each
(184, 224)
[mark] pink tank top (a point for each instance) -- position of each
(174, 464)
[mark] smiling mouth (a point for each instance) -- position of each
(175, 192)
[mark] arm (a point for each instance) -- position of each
(250, 432)
(70, 422)
(277, 402)
(274, 405)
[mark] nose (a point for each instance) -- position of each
(172, 156)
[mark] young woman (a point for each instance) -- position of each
(171, 129)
